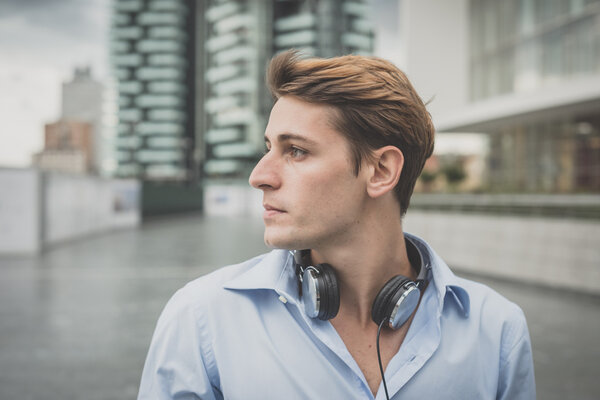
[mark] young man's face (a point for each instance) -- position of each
(312, 198)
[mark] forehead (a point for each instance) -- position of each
(291, 115)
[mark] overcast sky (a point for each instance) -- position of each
(41, 41)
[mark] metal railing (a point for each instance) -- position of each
(585, 206)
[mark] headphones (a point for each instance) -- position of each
(395, 302)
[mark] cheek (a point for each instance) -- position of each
(331, 195)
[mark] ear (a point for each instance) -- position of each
(385, 168)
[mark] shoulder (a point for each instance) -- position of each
(181, 353)
(211, 292)
(208, 288)
(488, 303)
(478, 301)
(500, 319)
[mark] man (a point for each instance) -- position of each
(355, 300)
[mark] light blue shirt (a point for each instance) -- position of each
(241, 333)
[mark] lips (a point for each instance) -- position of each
(271, 211)
(269, 207)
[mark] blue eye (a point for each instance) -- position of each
(297, 152)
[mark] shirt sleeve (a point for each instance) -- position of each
(516, 380)
(179, 361)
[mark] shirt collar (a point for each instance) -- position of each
(447, 284)
(275, 271)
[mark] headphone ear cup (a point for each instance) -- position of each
(384, 303)
(329, 292)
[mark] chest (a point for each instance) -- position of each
(363, 348)
(281, 358)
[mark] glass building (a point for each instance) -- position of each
(525, 73)
(323, 28)
(237, 45)
(524, 45)
(153, 55)
(532, 46)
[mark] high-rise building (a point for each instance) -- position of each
(153, 54)
(82, 99)
(324, 28)
(73, 143)
(237, 44)
(240, 37)
(526, 73)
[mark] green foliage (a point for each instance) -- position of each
(428, 176)
(454, 173)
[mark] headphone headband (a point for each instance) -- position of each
(418, 255)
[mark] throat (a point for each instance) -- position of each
(361, 343)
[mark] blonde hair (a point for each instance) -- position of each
(375, 105)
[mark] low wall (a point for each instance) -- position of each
(39, 209)
(556, 252)
(20, 211)
(74, 206)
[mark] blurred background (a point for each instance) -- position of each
(129, 129)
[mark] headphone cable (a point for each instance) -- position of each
(387, 396)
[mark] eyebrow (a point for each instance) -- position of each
(284, 137)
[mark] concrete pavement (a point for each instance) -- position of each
(76, 321)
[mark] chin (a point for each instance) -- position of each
(276, 243)
(281, 240)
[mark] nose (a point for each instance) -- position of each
(265, 174)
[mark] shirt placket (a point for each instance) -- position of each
(422, 340)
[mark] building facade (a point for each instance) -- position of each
(524, 72)
(522, 47)
(237, 45)
(82, 100)
(153, 55)
(68, 147)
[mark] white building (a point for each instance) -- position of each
(82, 100)
(524, 72)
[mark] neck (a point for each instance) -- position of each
(365, 263)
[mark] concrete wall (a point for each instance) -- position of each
(20, 211)
(75, 206)
(549, 251)
(39, 209)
